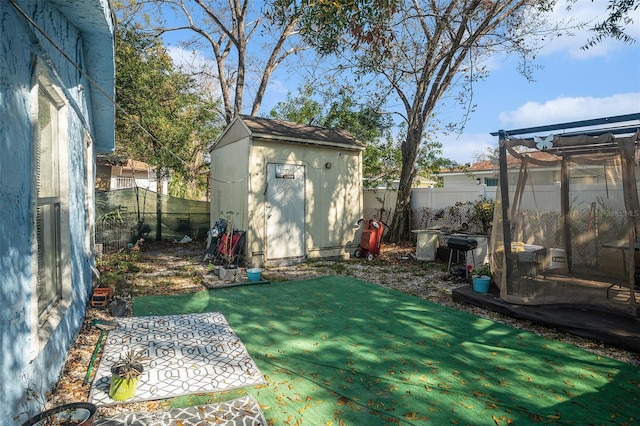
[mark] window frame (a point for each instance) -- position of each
(45, 321)
(491, 181)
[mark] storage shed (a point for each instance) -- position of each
(296, 190)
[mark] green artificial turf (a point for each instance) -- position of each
(336, 350)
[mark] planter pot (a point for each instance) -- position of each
(122, 388)
(118, 307)
(481, 283)
(228, 273)
(77, 413)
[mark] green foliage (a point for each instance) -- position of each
(483, 214)
(382, 156)
(483, 269)
(327, 25)
(338, 110)
(115, 270)
(381, 162)
(301, 109)
(162, 119)
(615, 24)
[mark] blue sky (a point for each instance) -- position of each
(573, 84)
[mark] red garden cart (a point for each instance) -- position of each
(371, 239)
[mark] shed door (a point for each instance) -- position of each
(285, 211)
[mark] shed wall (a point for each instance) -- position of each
(230, 182)
(332, 190)
(333, 203)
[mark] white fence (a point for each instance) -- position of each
(380, 203)
(440, 198)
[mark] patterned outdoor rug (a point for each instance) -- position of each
(243, 411)
(194, 353)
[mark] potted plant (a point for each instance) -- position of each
(125, 374)
(481, 278)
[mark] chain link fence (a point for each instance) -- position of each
(123, 216)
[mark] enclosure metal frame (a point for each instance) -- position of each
(602, 130)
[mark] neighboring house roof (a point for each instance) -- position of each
(284, 131)
(492, 165)
(92, 19)
(111, 160)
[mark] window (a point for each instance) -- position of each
(48, 202)
(491, 181)
(50, 164)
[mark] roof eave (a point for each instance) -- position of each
(333, 144)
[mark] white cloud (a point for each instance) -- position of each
(565, 109)
(588, 13)
(279, 87)
(195, 63)
(188, 60)
(466, 147)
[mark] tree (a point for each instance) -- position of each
(365, 123)
(301, 109)
(430, 49)
(230, 31)
(615, 24)
(161, 120)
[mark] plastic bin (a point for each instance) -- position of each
(426, 245)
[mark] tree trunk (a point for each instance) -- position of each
(400, 227)
(158, 205)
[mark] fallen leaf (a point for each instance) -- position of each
(410, 416)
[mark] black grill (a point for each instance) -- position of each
(462, 244)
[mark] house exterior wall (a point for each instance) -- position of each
(589, 183)
(121, 177)
(111, 178)
(33, 353)
(584, 174)
(536, 176)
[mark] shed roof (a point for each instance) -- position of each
(288, 132)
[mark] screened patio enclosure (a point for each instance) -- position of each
(565, 227)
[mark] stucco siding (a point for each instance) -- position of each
(26, 361)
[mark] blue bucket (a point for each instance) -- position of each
(481, 284)
(253, 274)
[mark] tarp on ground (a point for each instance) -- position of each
(336, 350)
